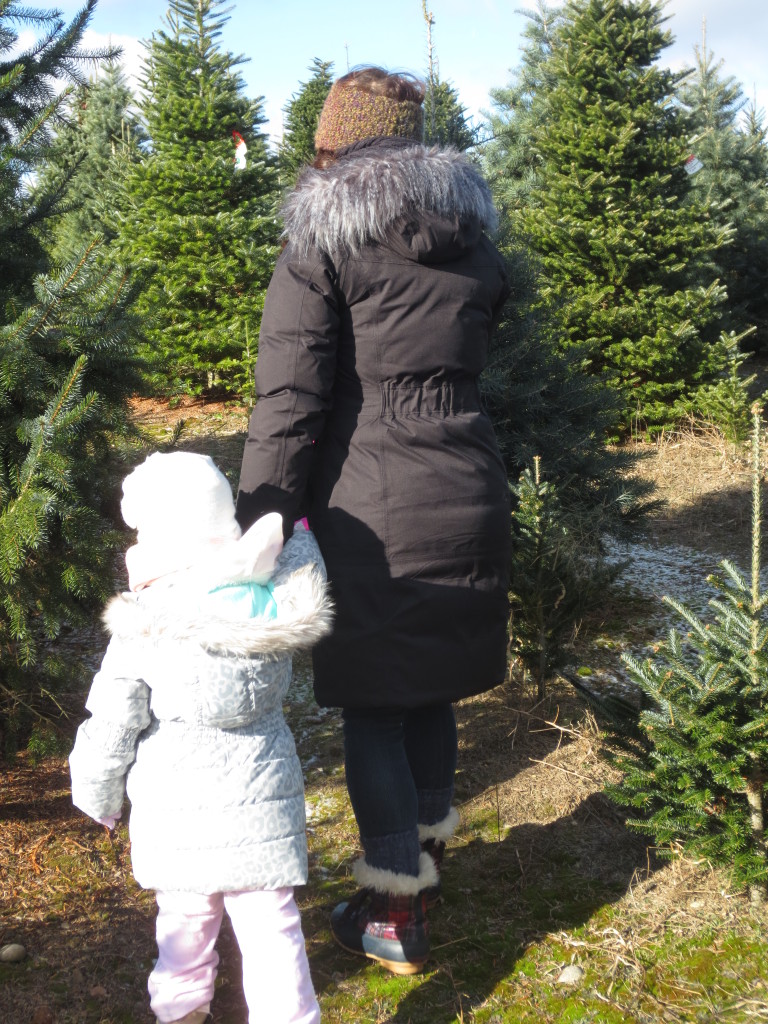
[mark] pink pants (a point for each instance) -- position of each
(276, 978)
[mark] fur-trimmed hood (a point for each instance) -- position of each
(305, 615)
(375, 184)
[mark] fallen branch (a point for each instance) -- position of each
(35, 850)
(567, 771)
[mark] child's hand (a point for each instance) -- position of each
(109, 822)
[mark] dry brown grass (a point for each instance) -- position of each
(705, 483)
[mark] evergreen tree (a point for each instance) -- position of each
(302, 112)
(751, 275)
(625, 259)
(732, 182)
(509, 159)
(445, 119)
(700, 776)
(545, 407)
(554, 576)
(725, 402)
(544, 404)
(31, 104)
(91, 152)
(200, 232)
(66, 366)
(547, 411)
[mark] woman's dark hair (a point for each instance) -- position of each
(397, 85)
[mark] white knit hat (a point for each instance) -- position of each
(179, 496)
(181, 504)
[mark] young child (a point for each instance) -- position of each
(187, 710)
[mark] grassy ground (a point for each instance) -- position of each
(542, 874)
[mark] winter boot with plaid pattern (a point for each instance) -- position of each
(386, 920)
(433, 839)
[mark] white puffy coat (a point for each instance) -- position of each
(188, 709)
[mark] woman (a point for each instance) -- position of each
(376, 326)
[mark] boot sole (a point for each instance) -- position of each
(402, 967)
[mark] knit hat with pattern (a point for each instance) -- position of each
(351, 115)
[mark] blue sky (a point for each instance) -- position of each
(476, 42)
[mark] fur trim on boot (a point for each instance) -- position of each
(442, 830)
(392, 883)
(433, 839)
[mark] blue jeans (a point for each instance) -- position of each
(400, 765)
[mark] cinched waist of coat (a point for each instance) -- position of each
(448, 397)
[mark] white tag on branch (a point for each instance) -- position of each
(693, 164)
(240, 150)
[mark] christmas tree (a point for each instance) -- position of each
(32, 103)
(555, 576)
(445, 119)
(66, 367)
(91, 153)
(700, 778)
(542, 400)
(730, 159)
(625, 260)
(199, 226)
(509, 158)
(546, 410)
(297, 147)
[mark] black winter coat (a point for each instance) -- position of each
(376, 326)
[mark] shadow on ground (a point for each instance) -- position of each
(510, 878)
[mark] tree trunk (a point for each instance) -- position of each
(755, 788)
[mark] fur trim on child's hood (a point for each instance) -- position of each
(175, 611)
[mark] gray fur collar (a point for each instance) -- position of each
(305, 615)
(357, 199)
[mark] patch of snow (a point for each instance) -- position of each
(651, 571)
(659, 570)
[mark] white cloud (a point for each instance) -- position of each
(132, 51)
(24, 41)
(734, 33)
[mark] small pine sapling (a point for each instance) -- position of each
(552, 578)
(699, 775)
